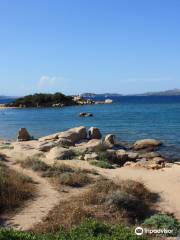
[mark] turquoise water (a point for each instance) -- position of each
(130, 118)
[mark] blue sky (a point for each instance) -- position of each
(75, 46)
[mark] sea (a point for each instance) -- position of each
(130, 118)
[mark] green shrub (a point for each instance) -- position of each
(89, 230)
(101, 164)
(74, 179)
(161, 221)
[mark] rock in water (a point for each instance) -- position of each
(94, 133)
(146, 143)
(23, 135)
(84, 114)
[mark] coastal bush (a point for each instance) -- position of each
(163, 221)
(15, 188)
(75, 179)
(104, 156)
(129, 196)
(101, 164)
(89, 230)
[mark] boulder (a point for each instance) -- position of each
(146, 143)
(46, 146)
(60, 153)
(74, 134)
(132, 156)
(91, 156)
(23, 135)
(94, 145)
(109, 140)
(94, 133)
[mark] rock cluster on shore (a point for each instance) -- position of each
(80, 143)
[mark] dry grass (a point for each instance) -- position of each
(34, 164)
(15, 188)
(104, 201)
(60, 174)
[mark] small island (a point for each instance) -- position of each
(58, 99)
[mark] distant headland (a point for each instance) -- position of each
(173, 92)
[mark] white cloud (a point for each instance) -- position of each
(47, 81)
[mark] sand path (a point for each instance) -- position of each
(35, 210)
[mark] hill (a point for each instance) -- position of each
(173, 92)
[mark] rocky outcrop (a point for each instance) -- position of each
(23, 135)
(78, 144)
(146, 143)
(94, 133)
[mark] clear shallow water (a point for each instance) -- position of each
(130, 118)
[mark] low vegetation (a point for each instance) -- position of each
(129, 196)
(59, 174)
(15, 188)
(101, 164)
(89, 230)
(128, 202)
(42, 100)
(163, 221)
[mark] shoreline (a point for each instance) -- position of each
(83, 148)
